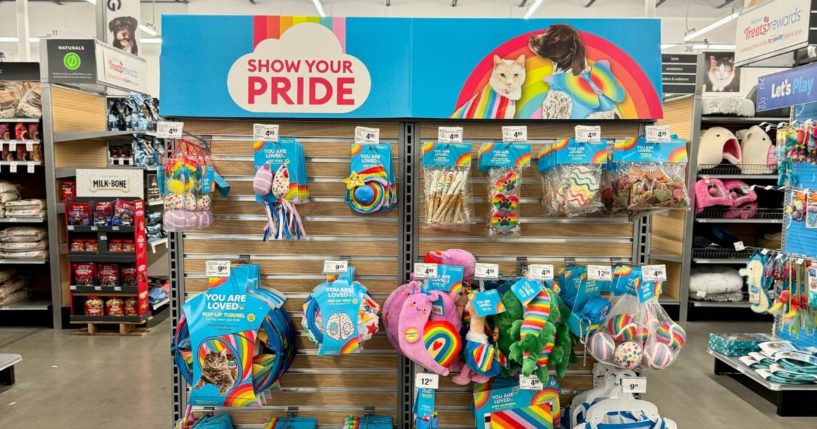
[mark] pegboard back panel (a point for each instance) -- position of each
(543, 240)
(329, 388)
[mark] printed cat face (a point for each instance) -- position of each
(721, 68)
(508, 76)
(216, 360)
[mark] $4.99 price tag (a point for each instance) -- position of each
(599, 272)
(449, 134)
(658, 134)
(332, 267)
(540, 271)
(425, 271)
(364, 135)
(425, 380)
(530, 383)
(217, 268)
(265, 132)
(169, 130)
(634, 385)
(486, 271)
(588, 133)
(515, 134)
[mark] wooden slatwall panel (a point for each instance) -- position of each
(543, 240)
(667, 228)
(329, 388)
(75, 110)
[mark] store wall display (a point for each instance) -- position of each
(593, 68)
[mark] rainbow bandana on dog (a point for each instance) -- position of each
(371, 187)
(592, 91)
(280, 183)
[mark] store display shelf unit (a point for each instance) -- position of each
(31, 304)
(742, 119)
(23, 219)
(7, 362)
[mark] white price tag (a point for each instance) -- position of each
(541, 271)
(217, 268)
(599, 272)
(169, 130)
(30, 167)
(13, 167)
(658, 134)
(588, 133)
(701, 294)
(425, 271)
(654, 273)
(13, 146)
(634, 384)
(29, 146)
(449, 134)
(265, 132)
(426, 380)
(764, 252)
(486, 271)
(117, 288)
(364, 135)
(97, 287)
(530, 383)
(799, 261)
(515, 134)
(331, 267)
(739, 246)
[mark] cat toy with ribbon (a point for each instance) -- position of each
(371, 187)
(280, 183)
(504, 163)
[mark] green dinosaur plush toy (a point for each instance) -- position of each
(502, 324)
(563, 353)
(535, 334)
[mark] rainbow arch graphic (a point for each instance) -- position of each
(273, 26)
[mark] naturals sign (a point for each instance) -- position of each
(305, 70)
(773, 28)
(311, 67)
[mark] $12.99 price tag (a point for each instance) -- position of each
(217, 268)
(599, 272)
(425, 380)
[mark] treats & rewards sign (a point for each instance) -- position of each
(772, 28)
(310, 67)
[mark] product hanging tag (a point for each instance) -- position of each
(217, 268)
(487, 303)
(658, 134)
(265, 132)
(634, 384)
(29, 146)
(541, 271)
(425, 271)
(365, 135)
(30, 167)
(449, 134)
(427, 380)
(654, 273)
(515, 134)
(739, 246)
(13, 166)
(13, 146)
(334, 267)
(530, 382)
(600, 272)
(588, 133)
(526, 289)
(486, 271)
(169, 130)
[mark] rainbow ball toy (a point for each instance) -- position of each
(642, 334)
(628, 355)
(658, 356)
(672, 334)
(622, 328)
(602, 347)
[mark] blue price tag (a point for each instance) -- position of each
(526, 289)
(488, 303)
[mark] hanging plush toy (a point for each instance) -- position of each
(280, 184)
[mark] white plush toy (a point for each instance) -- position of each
(758, 151)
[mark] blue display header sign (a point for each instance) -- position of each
(310, 67)
(787, 88)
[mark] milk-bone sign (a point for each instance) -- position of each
(304, 71)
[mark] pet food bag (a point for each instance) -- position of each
(571, 177)
(371, 186)
(649, 175)
(638, 334)
(446, 174)
(504, 163)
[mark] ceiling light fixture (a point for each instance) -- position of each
(718, 47)
(668, 45)
(151, 41)
(533, 8)
(697, 33)
(147, 29)
(93, 2)
(319, 7)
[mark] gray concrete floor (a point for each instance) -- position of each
(70, 381)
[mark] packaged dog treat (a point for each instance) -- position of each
(78, 213)
(68, 191)
(4, 132)
(114, 307)
(504, 163)
(21, 132)
(131, 307)
(34, 131)
(108, 274)
(446, 175)
(571, 177)
(127, 275)
(114, 245)
(650, 175)
(77, 245)
(103, 211)
(84, 273)
(127, 246)
(123, 213)
(94, 307)
(91, 245)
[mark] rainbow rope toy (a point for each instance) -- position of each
(370, 191)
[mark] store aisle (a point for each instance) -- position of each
(71, 381)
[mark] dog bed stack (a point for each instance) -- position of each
(23, 242)
(12, 287)
(716, 283)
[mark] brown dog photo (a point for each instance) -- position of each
(123, 29)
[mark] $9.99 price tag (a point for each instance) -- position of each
(425, 380)
(217, 268)
(332, 267)
(634, 385)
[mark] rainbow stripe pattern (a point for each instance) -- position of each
(272, 27)
(442, 341)
(487, 104)
(532, 417)
(536, 314)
